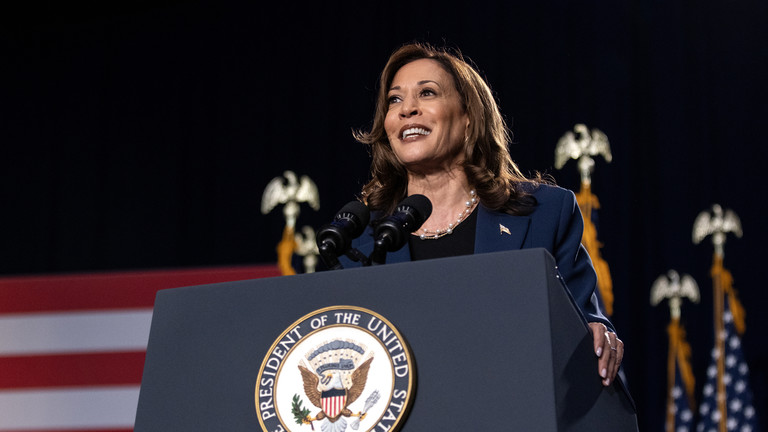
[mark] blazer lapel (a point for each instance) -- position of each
(499, 231)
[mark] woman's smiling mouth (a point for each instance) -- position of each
(415, 132)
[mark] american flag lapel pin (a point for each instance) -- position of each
(503, 229)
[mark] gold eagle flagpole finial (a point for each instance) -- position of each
(718, 224)
(289, 191)
(673, 288)
(582, 144)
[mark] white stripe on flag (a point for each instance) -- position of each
(41, 333)
(87, 408)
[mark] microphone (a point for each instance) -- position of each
(392, 233)
(335, 239)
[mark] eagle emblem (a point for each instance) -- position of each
(335, 378)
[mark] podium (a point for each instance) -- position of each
(497, 342)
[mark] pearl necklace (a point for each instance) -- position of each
(468, 207)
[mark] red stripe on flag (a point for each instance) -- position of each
(63, 370)
(110, 290)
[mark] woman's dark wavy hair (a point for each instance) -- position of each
(499, 183)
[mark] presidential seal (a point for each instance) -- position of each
(336, 368)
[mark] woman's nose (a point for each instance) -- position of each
(409, 107)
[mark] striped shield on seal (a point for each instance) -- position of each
(333, 402)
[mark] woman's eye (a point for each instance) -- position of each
(427, 92)
(393, 99)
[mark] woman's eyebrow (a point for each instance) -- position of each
(422, 82)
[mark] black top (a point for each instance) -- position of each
(460, 242)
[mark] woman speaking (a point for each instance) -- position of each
(438, 132)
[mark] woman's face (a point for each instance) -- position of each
(425, 123)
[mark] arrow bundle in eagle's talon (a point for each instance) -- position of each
(369, 403)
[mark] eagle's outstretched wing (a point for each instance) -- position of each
(274, 194)
(359, 378)
(566, 149)
(660, 290)
(732, 223)
(702, 227)
(308, 193)
(310, 386)
(689, 288)
(600, 145)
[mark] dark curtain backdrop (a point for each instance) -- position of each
(140, 135)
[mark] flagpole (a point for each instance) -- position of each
(670, 424)
(673, 287)
(719, 310)
(290, 191)
(582, 144)
(718, 224)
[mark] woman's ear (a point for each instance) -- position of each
(466, 131)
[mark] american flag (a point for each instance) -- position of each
(682, 411)
(681, 382)
(740, 414)
(72, 347)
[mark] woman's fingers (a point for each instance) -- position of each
(609, 350)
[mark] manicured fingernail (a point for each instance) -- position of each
(599, 351)
(603, 373)
(607, 382)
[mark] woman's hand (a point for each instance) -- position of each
(609, 350)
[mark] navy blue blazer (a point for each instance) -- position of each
(555, 225)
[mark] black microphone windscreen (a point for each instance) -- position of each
(358, 210)
(422, 206)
